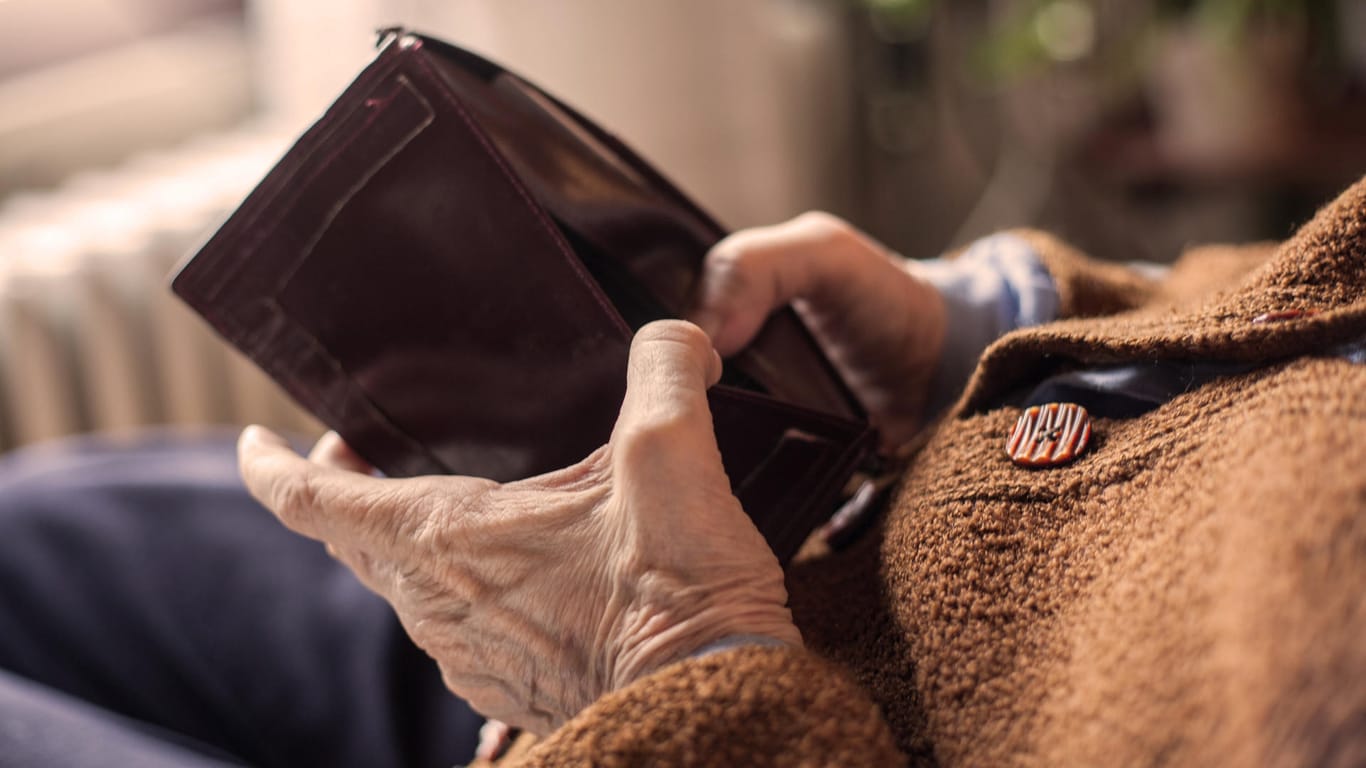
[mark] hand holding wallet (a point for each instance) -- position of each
(447, 269)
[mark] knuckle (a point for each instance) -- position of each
(688, 338)
(652, 441)
(373, 513)
(436, 514)
(428, 526)
(468, 503)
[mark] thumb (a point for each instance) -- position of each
(671, 366)
(815, 257)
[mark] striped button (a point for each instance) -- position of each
(1049, 435)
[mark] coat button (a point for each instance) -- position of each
(1049, 435)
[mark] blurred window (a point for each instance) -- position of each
(89, 83)
(38, 33)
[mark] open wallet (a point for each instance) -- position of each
(447, 269)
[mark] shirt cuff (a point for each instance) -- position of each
(736, 641)
(997, 285)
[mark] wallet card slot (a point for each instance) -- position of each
(306, 369)
(786, 464)
(784, 482)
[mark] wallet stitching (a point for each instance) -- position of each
(306, 249)
(279, 200)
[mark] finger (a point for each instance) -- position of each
(494, 738)
(671, 366)
(743, 280)
(318, 501)
(332, 451)
(752, 273)
(349, 510)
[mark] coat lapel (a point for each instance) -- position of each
(1299, 298)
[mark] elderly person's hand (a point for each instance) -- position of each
(881, 326)
(536, 597)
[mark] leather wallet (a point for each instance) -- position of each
(447, 268)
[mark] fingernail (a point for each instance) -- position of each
(259, 434)
(714, 375)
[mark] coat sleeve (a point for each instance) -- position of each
(753, 706)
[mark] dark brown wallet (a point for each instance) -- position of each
(447, 269)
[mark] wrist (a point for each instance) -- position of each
(706, 631)
(998, 284)
(737, 641)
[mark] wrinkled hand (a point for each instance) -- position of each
(536, 597)
(881, 326)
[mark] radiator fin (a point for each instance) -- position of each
(91, 338)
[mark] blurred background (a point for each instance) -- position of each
(129, 128)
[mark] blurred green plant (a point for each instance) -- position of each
(1035, 34)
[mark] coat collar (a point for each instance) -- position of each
(1321, 271)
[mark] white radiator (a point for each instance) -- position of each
(91, 338)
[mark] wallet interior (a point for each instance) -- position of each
(636, 305)
(642, 239)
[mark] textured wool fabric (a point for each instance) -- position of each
(1188, 592)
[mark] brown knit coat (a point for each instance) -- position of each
(1188, 592)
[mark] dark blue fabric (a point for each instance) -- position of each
(1127, 391)
(41, 727)
(140, 579)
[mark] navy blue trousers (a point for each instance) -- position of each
(152, 614)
